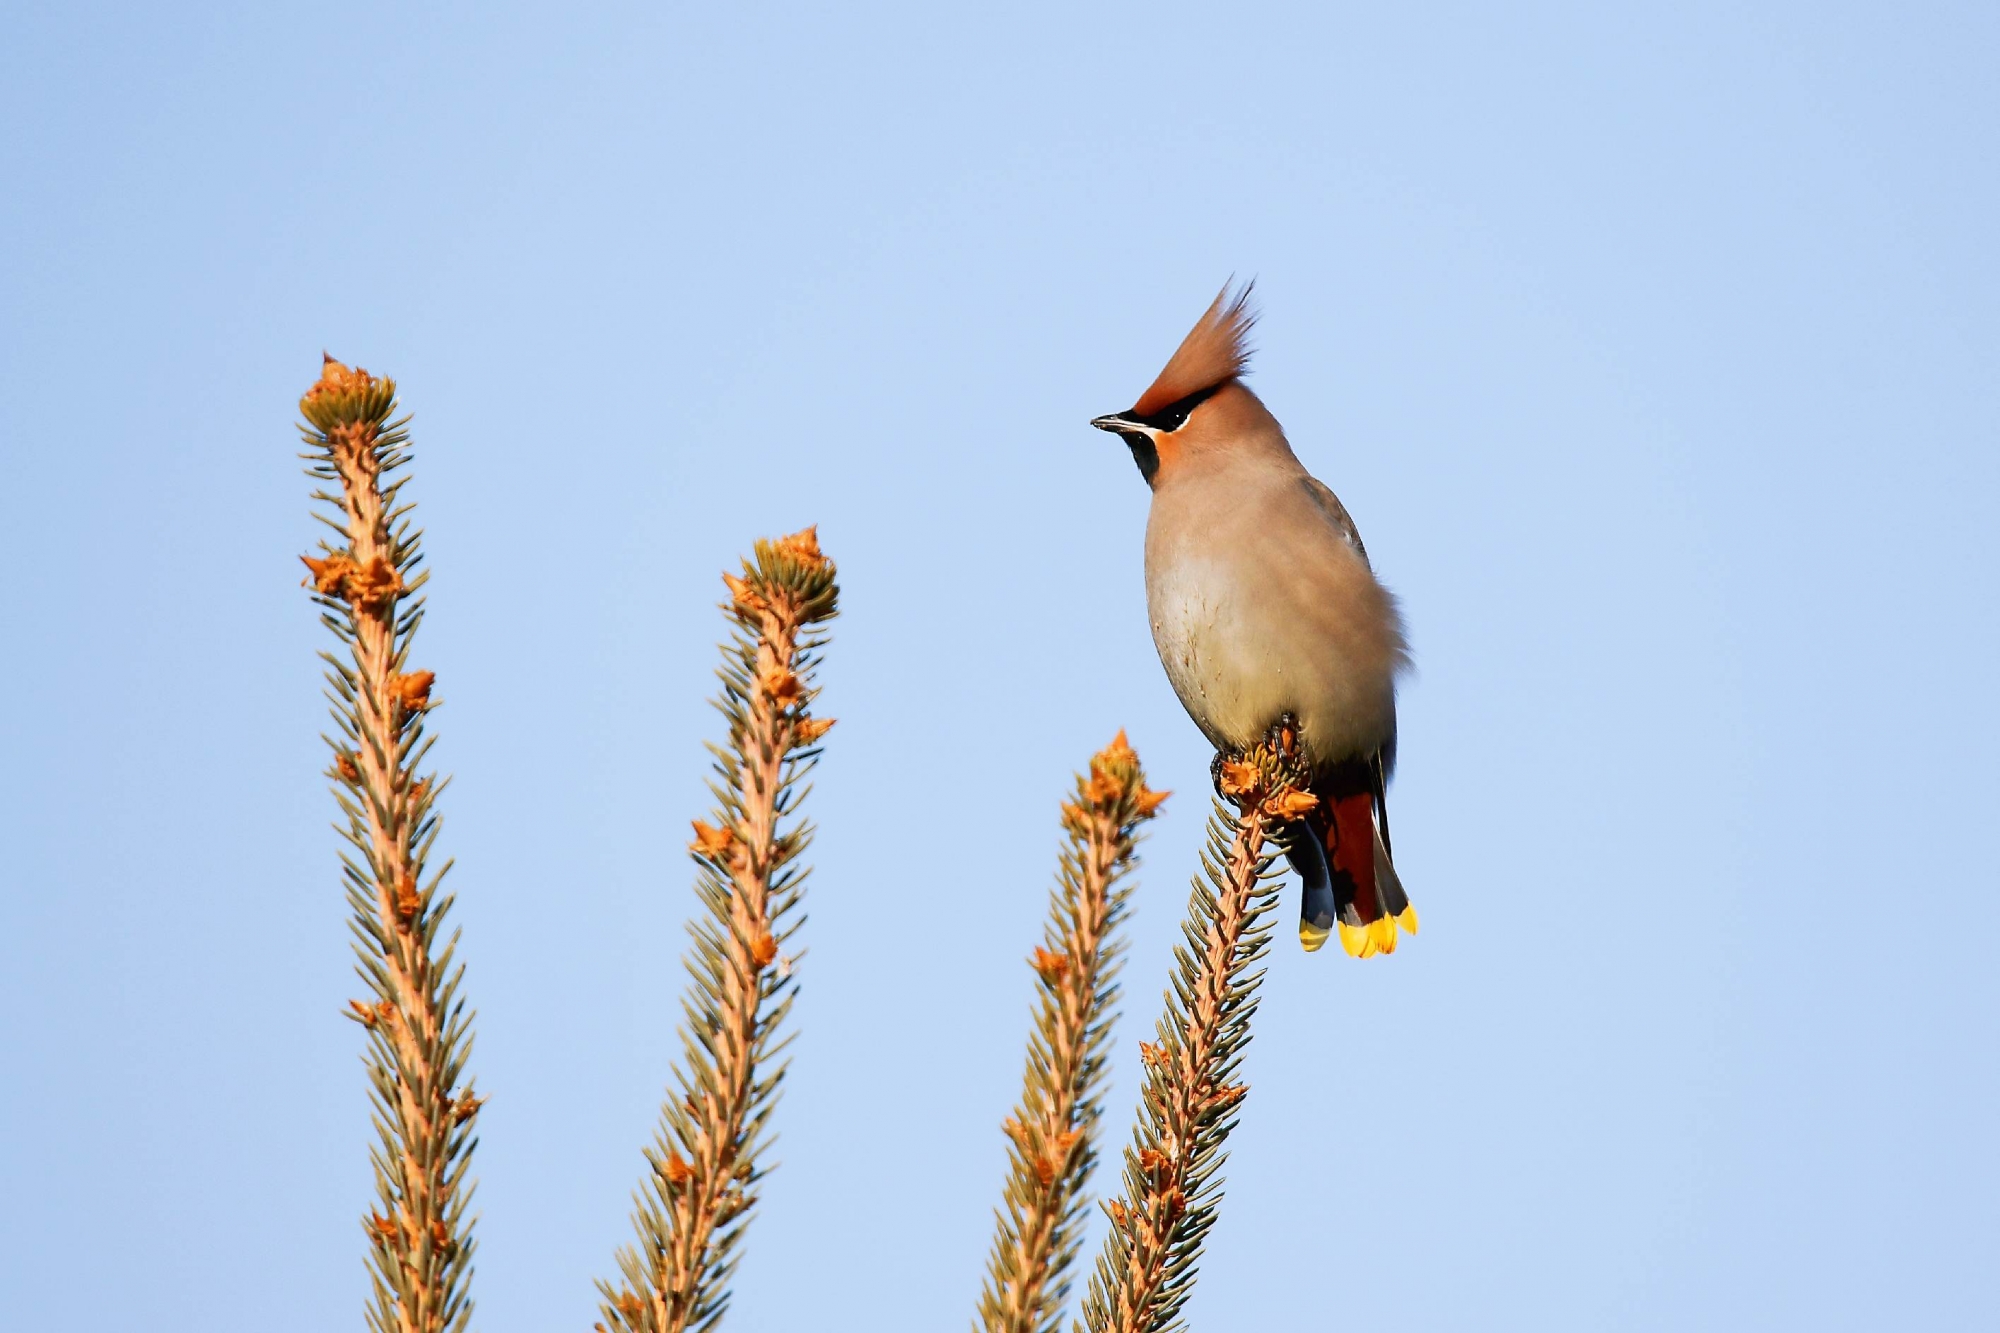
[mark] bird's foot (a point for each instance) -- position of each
(1283, 737)
(1281, 740)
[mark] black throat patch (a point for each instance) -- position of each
(1143, 452)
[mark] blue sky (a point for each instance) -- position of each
(1652, 348)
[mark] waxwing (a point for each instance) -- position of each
(1269, 619)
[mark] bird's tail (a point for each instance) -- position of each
(1350, 882)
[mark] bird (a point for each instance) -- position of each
(1269, 619)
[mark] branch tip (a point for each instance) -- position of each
(675, 1276)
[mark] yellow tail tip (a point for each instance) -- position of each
(1312, 936)
(1379, 936)
(1382, 934)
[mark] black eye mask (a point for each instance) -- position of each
(1174, 415)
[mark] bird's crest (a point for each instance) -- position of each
(1213, 351)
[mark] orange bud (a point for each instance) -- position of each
(328, 577)
(465, 1108)
(343, 763)
(1240, 777)
(1149, 801)
(804, 548)
(1290, 803)
(1227, 1095)
(763, 949)
(363, 1014)
(676, 1170)
(1050, 1164)
(1153, 1162)
(781, 685)
(1052, 966)
(407, 898)
(376, 581)
(810, 729)
(1112, 771)
(746, 598)
(413, 692)
(711, 842)
(384, 1230)
(334, 377)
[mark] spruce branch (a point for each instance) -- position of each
(695, 1201)
(1147, 1268)
(1053, 1130)
(419, 1031)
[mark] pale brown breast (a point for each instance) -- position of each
(1262, 603)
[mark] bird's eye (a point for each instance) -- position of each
(1174, 415)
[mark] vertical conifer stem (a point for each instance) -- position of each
(1190, 1095)
(724, 1104)
(419, 1033)
(696, 1198)
(1054, 1127)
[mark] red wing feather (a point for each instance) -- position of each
(1350, 848)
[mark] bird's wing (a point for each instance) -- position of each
(1378, 784)
(1329, 504)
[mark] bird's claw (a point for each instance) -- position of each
(1282, 739)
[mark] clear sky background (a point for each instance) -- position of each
(1653, 348)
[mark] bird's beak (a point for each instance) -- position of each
(1113, 422)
